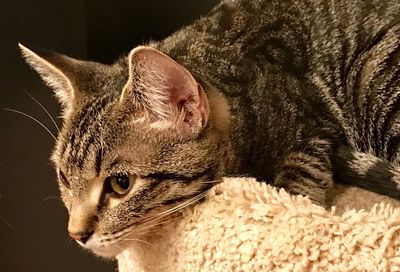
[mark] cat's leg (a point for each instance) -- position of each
(308, 172)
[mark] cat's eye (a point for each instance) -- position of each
(64, 179)
(120, 184)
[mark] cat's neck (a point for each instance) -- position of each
(220, 126)
(220, 115)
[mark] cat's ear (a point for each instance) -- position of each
(56, 70)
(166, 90)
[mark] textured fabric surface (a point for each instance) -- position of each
(247, 226)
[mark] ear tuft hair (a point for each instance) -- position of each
(49, 65)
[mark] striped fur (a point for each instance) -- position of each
(300, 93)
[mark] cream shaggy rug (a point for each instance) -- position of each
(247, 226)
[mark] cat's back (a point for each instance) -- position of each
(295, 34)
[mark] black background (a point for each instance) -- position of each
(33, 220)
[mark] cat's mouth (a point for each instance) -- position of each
(103, 249)
(110, 245)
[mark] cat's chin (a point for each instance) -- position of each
(105, 250)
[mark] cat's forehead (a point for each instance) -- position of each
(99, 134)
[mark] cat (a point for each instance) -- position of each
(297, 93)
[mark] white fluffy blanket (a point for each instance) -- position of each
(247, 226)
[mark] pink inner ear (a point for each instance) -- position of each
(183, 85)
(178, 85)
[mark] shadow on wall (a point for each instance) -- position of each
(33, 220)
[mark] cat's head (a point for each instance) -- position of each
(136, 140)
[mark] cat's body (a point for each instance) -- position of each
(291, 92)
(299, 75)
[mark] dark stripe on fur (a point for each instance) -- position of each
(99, 158)
(178, 199)
(294, 173)
(160, 176)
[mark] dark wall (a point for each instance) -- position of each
(33, 220)
(117, 26)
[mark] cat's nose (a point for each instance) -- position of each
(81, 236)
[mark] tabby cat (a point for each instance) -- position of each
(297, 93)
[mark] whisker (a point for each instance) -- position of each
(174, 209)
(145, 230)
(68, 240)
(147, 223)
(34, 119)
(43, 108)
(184, 204)
(119, 247)
(5, 220)
(211, 181)
(51, 197)
(7, 223)
(147, 226)
(139, 240)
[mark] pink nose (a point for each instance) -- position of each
(81, 236)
